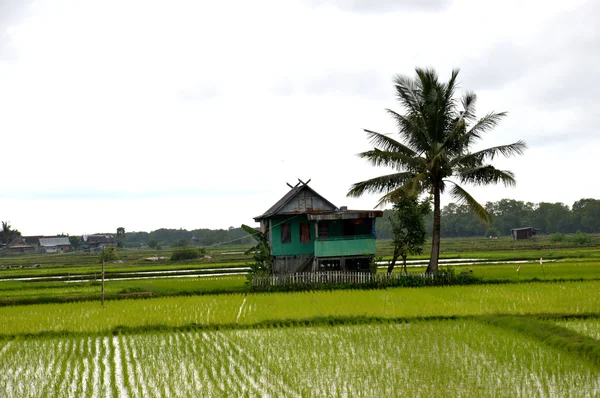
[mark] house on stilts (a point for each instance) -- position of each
(308, 233)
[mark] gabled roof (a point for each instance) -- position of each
(92, 239)
(54, 241)
(287, 198)
(18, 242)
(524, 228)
(32, 240)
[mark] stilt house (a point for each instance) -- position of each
(307, 233)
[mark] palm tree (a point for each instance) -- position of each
(433, 154)
(7, 234)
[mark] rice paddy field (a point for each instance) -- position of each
(459, 358)
(537, 334)
(437, 341)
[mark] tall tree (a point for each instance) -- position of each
(436, 133)
(408, 227)
(7, 233)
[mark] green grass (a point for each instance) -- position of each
(575, 263)
(96, 269)
(551, 334)
(554, 270)
(586, 327)
(256, 309)
(18, 292)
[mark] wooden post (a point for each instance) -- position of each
(102, 279)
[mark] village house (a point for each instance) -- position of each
(98, 242)
(18, 245)
(306, 232)
(41, 244)
(55, 244)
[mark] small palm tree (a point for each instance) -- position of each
(433, 154)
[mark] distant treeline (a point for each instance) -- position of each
(458, 221)
(182, 237)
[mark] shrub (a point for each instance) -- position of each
(491, 233)
(185, 253)
(581, 238)
(557, 237)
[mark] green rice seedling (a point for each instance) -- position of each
(426, 358)
(586, 327)
(289, 308)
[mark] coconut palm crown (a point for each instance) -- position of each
(432, 155)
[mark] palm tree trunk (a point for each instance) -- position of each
(435, 234)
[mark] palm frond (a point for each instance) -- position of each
(469, 102)
(386, 143)
(380, 184)
(483, 125)
(477, 158)
(485, 175)
(396, 160)
(411, 188)
(462, 196)
(450, 88)
(413, 130)
(408, 92)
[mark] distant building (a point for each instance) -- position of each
(18, 245)
(32, 240)
(55, 244)
(41, 244)
(98, 242)
(306, 233)
(523, 233)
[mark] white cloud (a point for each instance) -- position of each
(195, 114)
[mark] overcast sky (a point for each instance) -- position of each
(195, 114)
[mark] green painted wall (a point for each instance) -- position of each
(295, 246)
(325, 248)
(344, 247)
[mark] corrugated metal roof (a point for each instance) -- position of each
(286, 198)
(56, 241)
(100, 239)
(345, 215)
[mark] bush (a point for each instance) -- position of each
(185, 253)
(491, 233)
(581, 238)
(557, 237)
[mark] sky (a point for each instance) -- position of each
(195, 114)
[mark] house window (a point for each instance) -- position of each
(323, 229)
(304, 232)
(286, 233)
